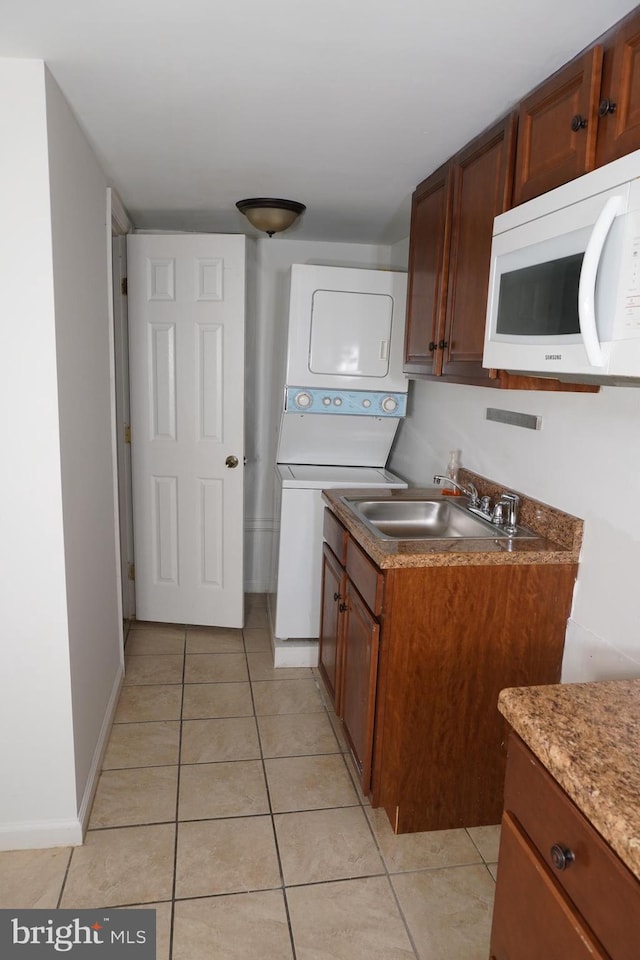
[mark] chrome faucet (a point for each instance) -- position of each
(469, 491)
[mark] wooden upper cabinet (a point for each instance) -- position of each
(428, 265)
(557, 127)
(619, 107)
(481, 176)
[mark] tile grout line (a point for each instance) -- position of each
(273, 824)
(175, 842)
(351, 771)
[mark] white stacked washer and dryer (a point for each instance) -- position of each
(344, 397)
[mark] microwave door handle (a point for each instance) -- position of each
(588, 275)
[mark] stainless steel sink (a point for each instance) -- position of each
(437, 519)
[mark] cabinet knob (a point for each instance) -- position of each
(561, 857)
(578, 122)
(606, 106)
(342, 607)
(443, 345)
(337, 596)
(432, 346)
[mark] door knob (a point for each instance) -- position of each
(231, 462)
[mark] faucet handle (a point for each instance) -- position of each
(472, 493)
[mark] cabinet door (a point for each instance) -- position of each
(557, 128)
(359, 676)
(532, 918)
(330, 648)
(619, 108)
(428, 259)
(481, 176)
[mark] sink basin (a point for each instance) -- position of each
(438, 519)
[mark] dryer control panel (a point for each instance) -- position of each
(364, 403)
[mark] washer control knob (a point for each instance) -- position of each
(389, 404)
(337, 401)
(326, 401)
(366, 403)
(302, 400)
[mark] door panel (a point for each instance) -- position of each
(481, 190)
(186, 302)
(428, 273)
(359, 678)
(557, 128)
(330, 648)
(619, 108)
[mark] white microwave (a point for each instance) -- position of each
(564, 283)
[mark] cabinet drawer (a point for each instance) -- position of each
(532, 916)
(335, 535)
(597, 881)
(365, 576)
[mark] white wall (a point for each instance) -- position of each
(585, 460)
(265, 367)
(60, 656)
(84, 352)
(38, 798)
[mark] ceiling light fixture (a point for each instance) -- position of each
(269, 214)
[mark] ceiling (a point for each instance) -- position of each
(344, 105)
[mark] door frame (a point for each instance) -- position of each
(118, 226)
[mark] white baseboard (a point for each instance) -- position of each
(258, 551)
(295, 653)
(98, 753)
(34, 834)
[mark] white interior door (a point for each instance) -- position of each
(186, 325)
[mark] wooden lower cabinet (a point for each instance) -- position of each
(359, 676)
(532, 916)
(349, 632)
(334, 581)
(561, 891)
(424, 654)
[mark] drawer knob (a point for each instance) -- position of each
(561, 857)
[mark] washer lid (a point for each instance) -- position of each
(319, 477)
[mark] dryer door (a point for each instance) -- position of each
(346, 328)
(350, 333)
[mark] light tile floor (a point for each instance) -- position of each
(228, 802)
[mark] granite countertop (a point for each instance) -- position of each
(587, 735)
(560, 533)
